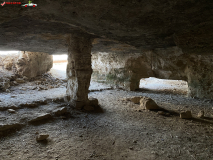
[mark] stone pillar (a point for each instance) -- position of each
(79, 71)
(200, 78)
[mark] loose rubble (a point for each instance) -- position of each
(42, 137)
(186, 115)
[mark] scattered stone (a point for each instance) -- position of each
(15, 83)
(29, 105)
(167, 114)
(64, 80)
(148, 103)
(89, 108)
(42, 137)
(20, 80)
(60, 111)
(11, 111)
(186, 115)
(4, 127)
(25, 78)
(59, 99)
(136, 100)
(161, 112)
(41, 117)
(201, 114)
(7, 90)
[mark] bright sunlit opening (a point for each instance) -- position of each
(8, 52)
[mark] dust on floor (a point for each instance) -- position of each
(118, 131)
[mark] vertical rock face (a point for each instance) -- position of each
(79, 70)
(199, 74)
(167, 63)
(32, 64)
(7, 61)
(122, 70)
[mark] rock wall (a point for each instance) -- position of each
(32, 64)
(126, 70)
(7, 61)
(120, 70)
(23, 64)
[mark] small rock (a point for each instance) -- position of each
(42, 137)
(25, 78)
(41, 117)
(167, 114)
(20, 80)
(15, 83)
(60, 111)
(136, 100)
(201, 114)
(7, 90)
(29, 105)
(148, 103)
(186, 115)
(161, 112)
(11, 111)
(131, 148)
(89, 108)
(4, 127)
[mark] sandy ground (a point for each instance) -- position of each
(117, 130)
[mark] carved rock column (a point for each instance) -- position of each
(79, 70)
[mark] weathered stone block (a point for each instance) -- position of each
(148, 103)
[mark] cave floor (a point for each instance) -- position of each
(116, 131)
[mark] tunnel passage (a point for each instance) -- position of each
(125, 70)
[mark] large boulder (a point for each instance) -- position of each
(32, 64)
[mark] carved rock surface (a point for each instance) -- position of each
(32, 64)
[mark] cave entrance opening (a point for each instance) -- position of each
(164, 85)
(59, 66)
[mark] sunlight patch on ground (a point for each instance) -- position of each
(156, 84)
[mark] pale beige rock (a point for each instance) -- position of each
(148, 103)
(20, 80)
(11, 111)
(161, 113)
(201, 114)
(32, 64)
(60, 111)
(4, 127)
(136, 100)
(40, 117)
(186, 115)
(42, 137)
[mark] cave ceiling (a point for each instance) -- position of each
(115, 25)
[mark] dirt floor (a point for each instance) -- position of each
(117, 130)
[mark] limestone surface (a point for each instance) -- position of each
(32, 64)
